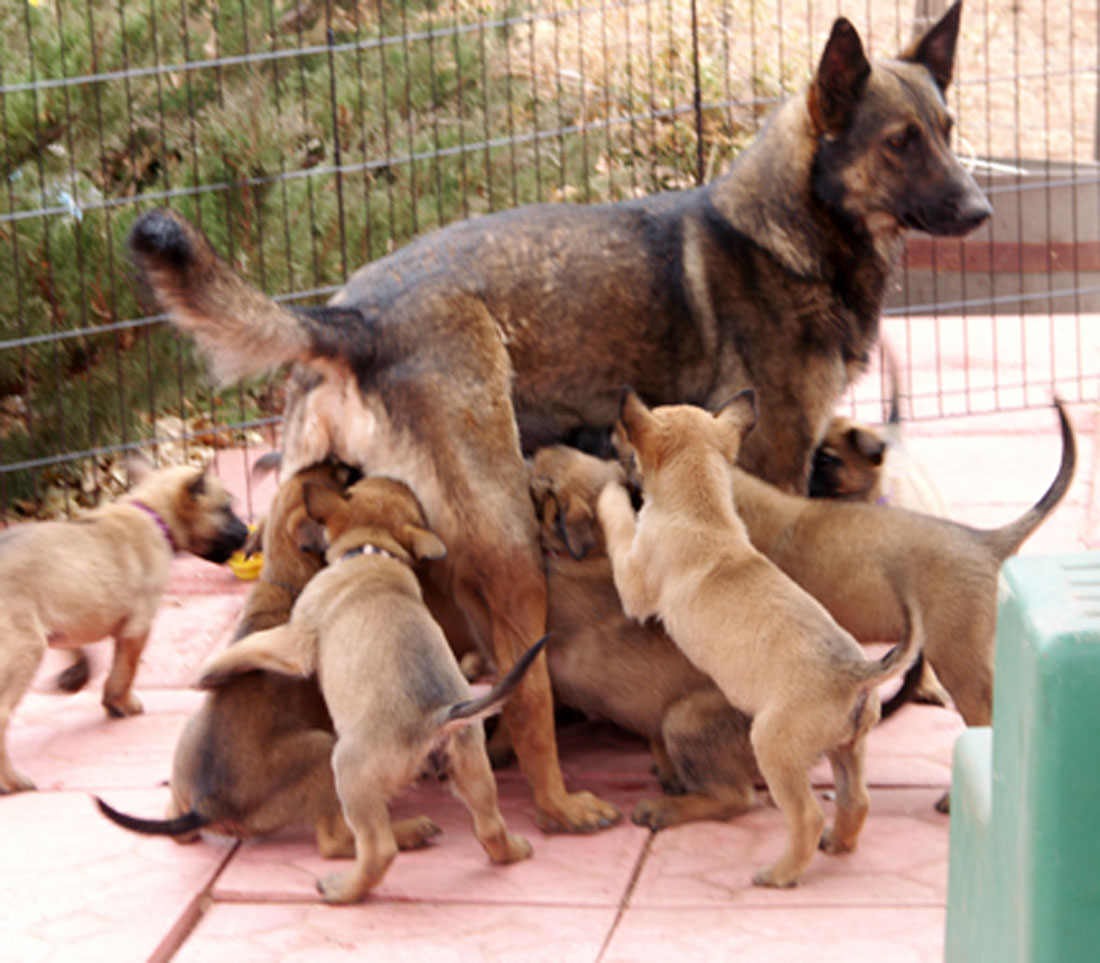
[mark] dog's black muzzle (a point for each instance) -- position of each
(229, 539)
(949, 214)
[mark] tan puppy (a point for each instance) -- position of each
(257, 756)
(68, 583)
(771, 648)
(391, 684)
(610, 666)
(859, 560)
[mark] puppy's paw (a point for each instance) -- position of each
(833, 844)
(341, 888)
(414, 833)
(581, 812)
(655, 814)
(122, 706)
(12, 781)
(943, 804)
(517, 847)
(771, 877)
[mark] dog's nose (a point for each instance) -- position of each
(974, 211)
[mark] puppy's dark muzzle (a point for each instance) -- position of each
(229, 539)
(953, 216)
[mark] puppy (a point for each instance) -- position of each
(861, 560)
(772, 649)
(68, 583)
(857, 463)
(610, 666)
(391, 685)
(257, 756)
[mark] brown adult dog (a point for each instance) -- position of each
(68, 583)
(610, 666)
(257, 756)
(772, 649)
(442, 362)
(859, 560)
(391, 684)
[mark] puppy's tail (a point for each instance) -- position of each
(872, 673)
(239, 329)
(1005, 541)
(189, 822)
(462, 714)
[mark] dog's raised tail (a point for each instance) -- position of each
(1006, 540)
(463, 713)
(189, 822)
(874, 672)
(240, 329)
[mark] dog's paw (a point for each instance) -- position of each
(943, 804)
(517, 848)
(769, 876)
(581, 812)
(12, 781)
(341, 888)
(655, 814)
(833, 844)
(414, 833)
(120, 708)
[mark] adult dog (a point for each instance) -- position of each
(442, 362)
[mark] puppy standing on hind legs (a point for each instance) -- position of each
(395, 693)
(772, 649)
(68, 583)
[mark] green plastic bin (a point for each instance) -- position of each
(1024, 864)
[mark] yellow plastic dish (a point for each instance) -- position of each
(246, 569)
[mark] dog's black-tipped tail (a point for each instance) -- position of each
(189, 822)
(463, 713)
(1006, 540)
(240, 330)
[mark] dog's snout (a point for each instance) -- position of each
(231, 537)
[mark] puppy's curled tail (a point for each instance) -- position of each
(1006, 540)
(240, 329)
(462, 714)
(872, 673)
(179, 826)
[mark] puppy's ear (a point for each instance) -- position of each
(255, 538)
(840, 79)
(423, 544)
(635, 418)
(868, 444)
(138, 467)
(576, 525)
(736, 418)
(936, 49)
(197, 488)
(323, 503)
(266, 464)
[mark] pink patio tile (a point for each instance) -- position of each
(385, 932)
(75, 887)
(68, 742)
(587, 870)
(901, 860)
(801, 934)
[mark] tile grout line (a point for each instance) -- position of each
(192, 915)
(624, 900)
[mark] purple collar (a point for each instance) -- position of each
(161, 523)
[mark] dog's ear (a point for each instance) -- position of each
(936, 49)
(197, 488)
(266, 464)
(424, 545)
(323, 503)
(138, 467)
(868, 444)
(841, 76)
(576, 526)
(634, 417)
(255, 539)
(736, 418)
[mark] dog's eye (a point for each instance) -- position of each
(903, 139)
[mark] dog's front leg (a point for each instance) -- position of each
(620, 526)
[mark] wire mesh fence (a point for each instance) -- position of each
(309, 137)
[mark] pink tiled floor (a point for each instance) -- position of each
(74, 886)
